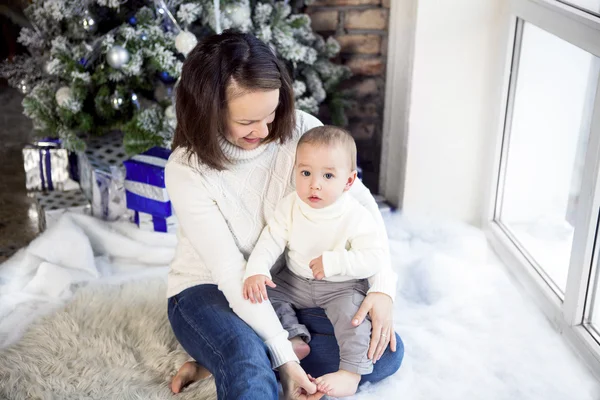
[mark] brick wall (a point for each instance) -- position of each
(361, 27)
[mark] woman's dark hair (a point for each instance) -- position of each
(201, 94)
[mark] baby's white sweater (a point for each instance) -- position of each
(221, 215)
(344, 233)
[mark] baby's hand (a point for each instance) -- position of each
(316, 266)
(255, 289)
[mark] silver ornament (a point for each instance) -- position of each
(117, 101)
(63, 96)
(117, 56)
(88, 22)
(23, 86)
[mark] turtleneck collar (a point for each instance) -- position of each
(331, 211)
(236, 154)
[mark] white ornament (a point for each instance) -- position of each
(63, 96)
(170, 112)
(238, 14)
(185, 42)
(117, 56)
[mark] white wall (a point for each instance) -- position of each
(456, 75)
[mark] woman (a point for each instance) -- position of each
(232, 162)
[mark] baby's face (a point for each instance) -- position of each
(322, 174)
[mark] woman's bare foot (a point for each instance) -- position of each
(189, 373)
(338, 384)
(301, 348)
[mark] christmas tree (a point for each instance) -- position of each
(100, 65)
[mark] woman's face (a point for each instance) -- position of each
(249, 117)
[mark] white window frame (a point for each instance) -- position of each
(401, 47)
(582, 30)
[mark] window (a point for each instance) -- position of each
(591, 6)
(547, 138)
(544, 220)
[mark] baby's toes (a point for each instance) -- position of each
(323, 387)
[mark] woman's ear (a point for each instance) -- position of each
(350, 181)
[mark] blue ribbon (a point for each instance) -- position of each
(142, 172)
(44, 146)
(47, 160)
(143, 204)
(159, 224)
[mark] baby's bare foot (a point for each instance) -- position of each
(338, 384)
(301, 348)
(189, 373)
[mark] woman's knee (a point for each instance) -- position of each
(393, 360)
(388, 365)
(397, 356)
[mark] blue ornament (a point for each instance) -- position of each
(144, 37)
(133, 21)
(166, 78)
(82, 61)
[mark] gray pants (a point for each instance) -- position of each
(340, 300)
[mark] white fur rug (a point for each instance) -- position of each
(469, 333)
(109, 342)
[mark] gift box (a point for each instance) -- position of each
(145, 183)
(48, 167)
(149, 222)
(101, 175)
(51, 205)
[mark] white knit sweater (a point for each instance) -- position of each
(221, 215)
(344, 233)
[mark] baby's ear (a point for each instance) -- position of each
(350, 181)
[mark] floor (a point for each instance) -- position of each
(18, 215)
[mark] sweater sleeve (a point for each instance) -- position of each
(205, 227)
(272, 241)
(385, 280)
(366, 254)
(305, 122)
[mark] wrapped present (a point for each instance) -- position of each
(51, 205)
(149, 222)
(145, 183)
(101, 175)
(48, 166)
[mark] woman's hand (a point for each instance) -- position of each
(296, 384)
(380, 308)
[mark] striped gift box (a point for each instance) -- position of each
(145, 183)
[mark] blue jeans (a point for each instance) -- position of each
(219, 340)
